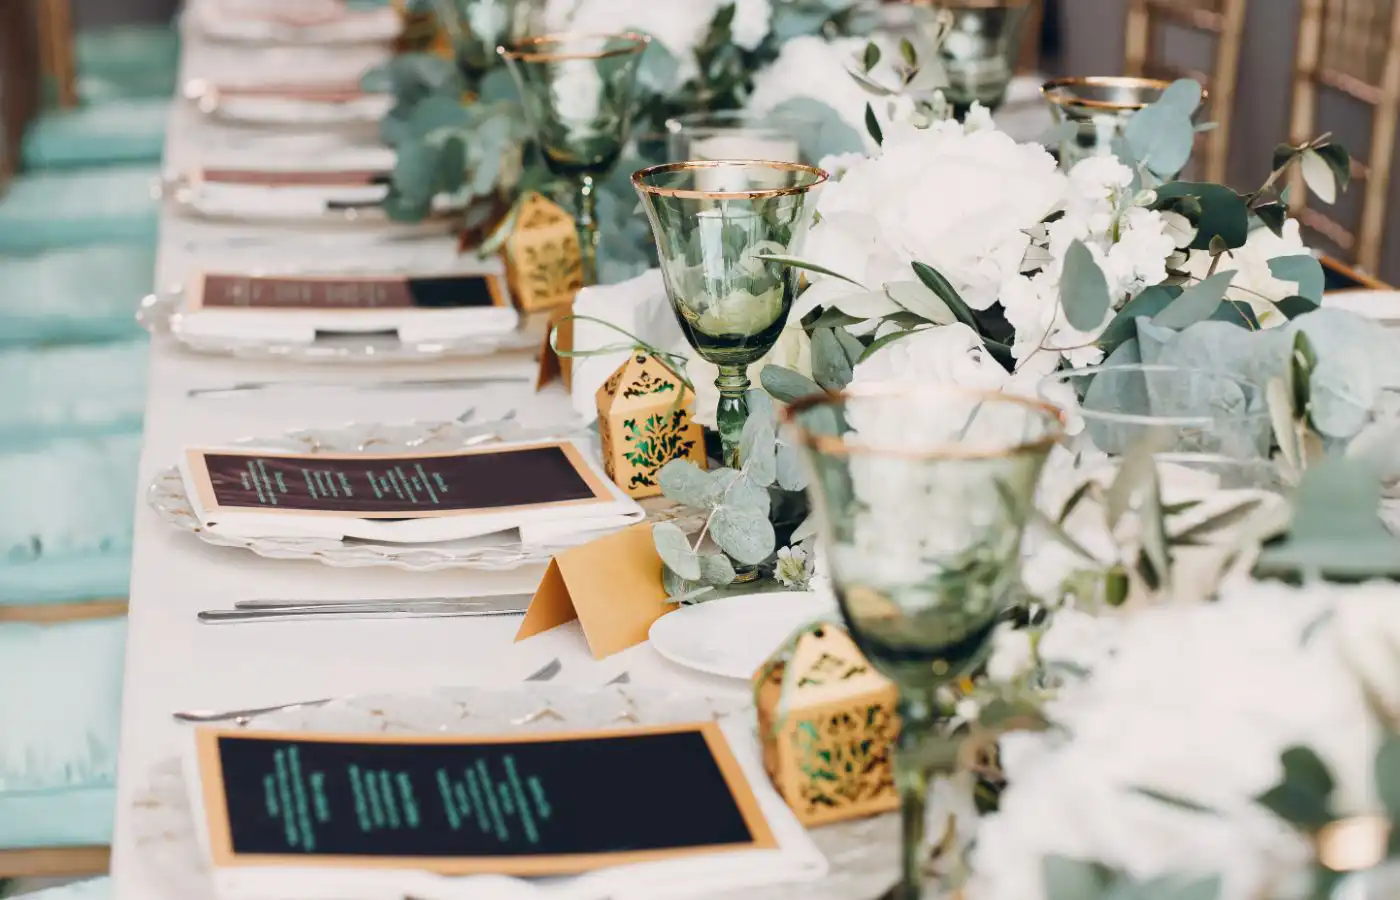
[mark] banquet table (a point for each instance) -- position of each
(176, 663)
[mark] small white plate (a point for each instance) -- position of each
(733, 636)
(1383, 306)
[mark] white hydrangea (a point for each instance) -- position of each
(1195, 702)
(957, 198)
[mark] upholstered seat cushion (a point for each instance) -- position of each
(66, 530)
(127, 61)
(100, 134)
(48, 209)
(66, 296)
(72, 391)
(60, 700)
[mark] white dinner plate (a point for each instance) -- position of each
(1384, 306)
(733, 636)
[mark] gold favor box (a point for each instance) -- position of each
(645, 421)
(828, 725)
(542, 257)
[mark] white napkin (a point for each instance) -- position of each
(542, 526)
(321, 23)
(273, 110)
(413, 325)
(247, 201)
(639, 307)
(797, 859)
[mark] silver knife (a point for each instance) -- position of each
(230, 616)
(408, 385)
(501, 602)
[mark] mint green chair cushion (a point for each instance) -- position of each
(127, 61)
(45, 210)
(111, 133)
(60, 700)
(65, 534)
(79, 295)
(71, 391)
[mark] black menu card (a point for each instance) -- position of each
(395, 486)
(524, 804)
(344, 292)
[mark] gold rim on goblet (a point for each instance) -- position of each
(639, 179)
(1051, 89)
(523, 52)
(833, 445)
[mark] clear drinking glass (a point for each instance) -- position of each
(477, 27)
(714, 221)
(1190, 411)
(980, 50)
(1099, 108)
(734, 134)
(577, 91)
(921, 495)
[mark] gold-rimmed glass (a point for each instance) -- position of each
(1098, 108)
(477, 27)
(980, 49)
(577, 93)
(715, 222)
(921, 494)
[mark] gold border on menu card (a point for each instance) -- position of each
(194, 292)
(199, 472)
(221, 841)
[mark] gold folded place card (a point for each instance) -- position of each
(542, 256)
(611, 585)
(522, 804)
(559, 331)
(644, 421)
(828, 725)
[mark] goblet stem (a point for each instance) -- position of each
(733, 412)
(911, 773)
(588, 229)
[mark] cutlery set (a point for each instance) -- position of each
(375, 608)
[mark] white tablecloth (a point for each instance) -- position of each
(175, 663)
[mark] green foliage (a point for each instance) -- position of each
(1222, 213)
(1335, 531)
(1196, 304)
(1305, 270)
(1160, 136)
(1083, 289)
(1071, 879)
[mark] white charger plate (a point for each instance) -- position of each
(1383, 306)
(733, 636)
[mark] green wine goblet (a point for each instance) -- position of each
(922, 493)
(716, 223)
(577, 92)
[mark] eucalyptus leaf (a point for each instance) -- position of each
(830, 366)
(1274, 216)
(743, 533)
(1304, 796)
(1295, 306)
(806, 529)
(757, 449)
(1340, 397)
(1175, 801)
(1083, 289)
(850, 345)
(1161, 135)
(716, 569)
(1149, 303)
(799, 263)
(1338, 160)
(1196, 304)
(674, 549)
(1072, 879)
(1303, 269)
(684, 482)
(872, 125)
(1224, 213)
(1335, 531)
(882, 342)
(786, 385)
(792, 475)
(934, 281)
(920, 300)
(732, 488)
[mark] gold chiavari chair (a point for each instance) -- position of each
(19, 82)
(1031, 33)
(1224, 20)
(55, 25)
(1351, 47)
